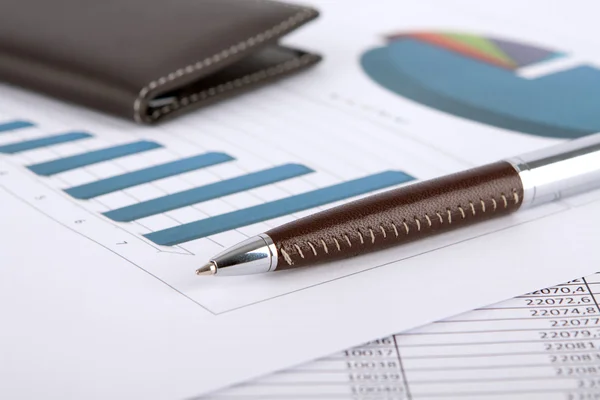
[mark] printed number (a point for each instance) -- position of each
(559, 290)
(575, 358)
(570, 346)
(566, 334)
(557, 301)
(575, 322)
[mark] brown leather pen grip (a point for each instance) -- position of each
(399, 216)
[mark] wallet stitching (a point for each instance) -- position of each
(302, 15)
(234, 84)
(505, 204)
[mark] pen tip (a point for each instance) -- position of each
(210, 268)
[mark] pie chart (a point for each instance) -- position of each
(480, 78)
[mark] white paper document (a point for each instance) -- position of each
(542, 345)
(98, 302)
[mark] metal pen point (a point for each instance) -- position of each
(209, 268)
(252, 256)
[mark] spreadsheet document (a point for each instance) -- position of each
(541, 345)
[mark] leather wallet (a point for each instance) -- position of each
(148, 60)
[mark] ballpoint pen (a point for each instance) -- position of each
(418, 210)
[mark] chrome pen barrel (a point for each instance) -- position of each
(559, 171)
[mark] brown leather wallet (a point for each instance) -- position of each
(148, 60)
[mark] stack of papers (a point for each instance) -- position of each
(98, 305)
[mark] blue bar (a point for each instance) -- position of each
(278, 208)
(208, 192)
(93, 157)
(43, 142)
(146, 175)
(14, 125)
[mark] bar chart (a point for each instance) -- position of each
(168, 197)
(197, 229)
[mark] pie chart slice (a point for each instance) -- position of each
(477, 78)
